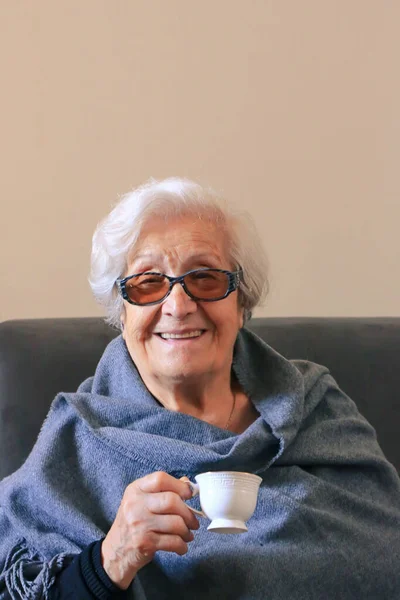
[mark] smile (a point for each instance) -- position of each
(181, 336)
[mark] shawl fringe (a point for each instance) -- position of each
(26, 573)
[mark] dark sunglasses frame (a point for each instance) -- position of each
(233, 284)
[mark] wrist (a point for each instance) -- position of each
(114, 568)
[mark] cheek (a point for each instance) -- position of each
(138, 324)
(229, 321)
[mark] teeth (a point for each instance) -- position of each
(178, 336)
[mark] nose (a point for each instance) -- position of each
(178, 304)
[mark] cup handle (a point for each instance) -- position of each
(197, 512)
(195, 490)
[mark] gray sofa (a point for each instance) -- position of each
(41, 357)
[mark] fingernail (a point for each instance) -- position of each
(189, 488)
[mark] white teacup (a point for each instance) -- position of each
(227, 498)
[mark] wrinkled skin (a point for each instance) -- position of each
(152, 516)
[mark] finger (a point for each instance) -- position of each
(163, 482)
(190, 485)
(172, 543)
(171, 525)
(169, 503)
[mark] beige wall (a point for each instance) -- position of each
(290, 108)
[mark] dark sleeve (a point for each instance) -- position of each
(86, 579)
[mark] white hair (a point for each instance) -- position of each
(117, 234)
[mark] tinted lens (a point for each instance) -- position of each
(147, 288)
(207, 285)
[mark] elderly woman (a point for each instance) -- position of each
(100, 509)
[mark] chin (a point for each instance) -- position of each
(183, 372)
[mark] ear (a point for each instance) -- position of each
(122, 321)
(241, 317)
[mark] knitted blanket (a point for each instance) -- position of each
(327, 521)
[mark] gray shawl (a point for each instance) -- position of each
(327, 522)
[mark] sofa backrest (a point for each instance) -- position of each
(41, 357)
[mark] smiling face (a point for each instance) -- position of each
(181, 339)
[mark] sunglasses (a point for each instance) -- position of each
(204, 285)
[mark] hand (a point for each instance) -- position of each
(152, 516)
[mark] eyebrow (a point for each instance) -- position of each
(204, 257)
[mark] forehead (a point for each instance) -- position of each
(179, 241)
